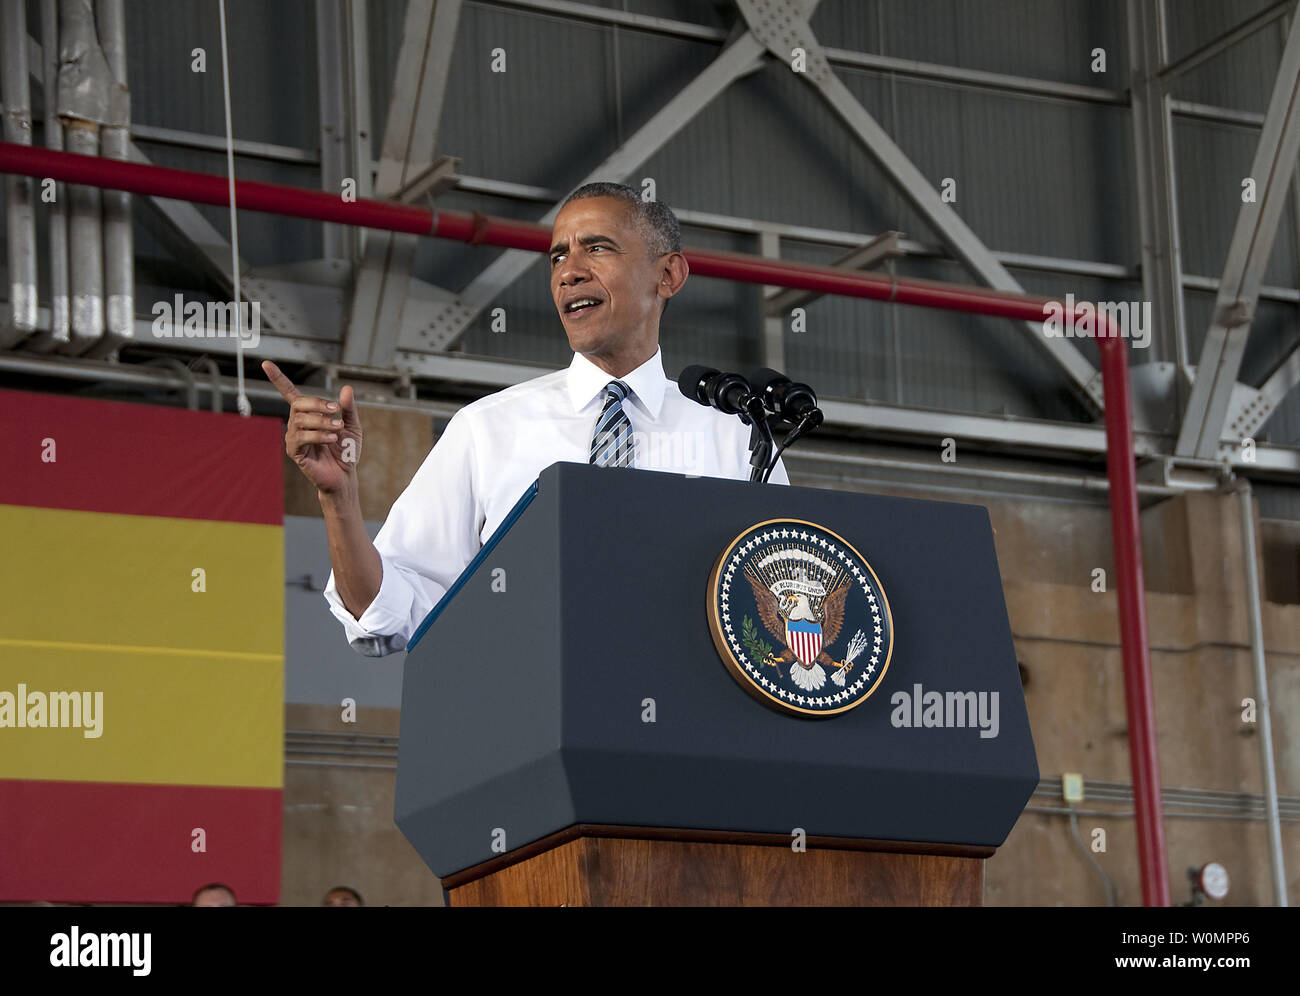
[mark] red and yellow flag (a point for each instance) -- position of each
(141, 651)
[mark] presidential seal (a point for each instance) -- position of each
(800, 618)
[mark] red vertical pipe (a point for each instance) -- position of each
(1126, 535)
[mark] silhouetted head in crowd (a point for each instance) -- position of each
(342, 895)
(214, 894)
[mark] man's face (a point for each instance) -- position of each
(340, 897)
(598, 254)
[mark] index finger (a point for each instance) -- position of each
(282, 383)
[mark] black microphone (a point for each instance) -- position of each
(731, 394)
(727, 392)
(785, 398)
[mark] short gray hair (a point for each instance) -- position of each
(654, 220)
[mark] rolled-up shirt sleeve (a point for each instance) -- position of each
(430, 536)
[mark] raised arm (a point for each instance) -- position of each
(324, 439)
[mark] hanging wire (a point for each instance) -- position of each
(245, 408)
(1101, 872)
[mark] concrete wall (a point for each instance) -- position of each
(338, 818)
(1067, 642)
(338, 825)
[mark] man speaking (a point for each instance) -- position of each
(615, 260)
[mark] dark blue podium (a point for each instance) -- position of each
(570, 733)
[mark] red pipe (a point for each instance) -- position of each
(475, 228)
(1139, 701)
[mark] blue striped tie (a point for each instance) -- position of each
(612, 444)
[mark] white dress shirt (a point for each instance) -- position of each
(494, 449)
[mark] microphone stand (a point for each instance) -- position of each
(811, 419)
(761, 440)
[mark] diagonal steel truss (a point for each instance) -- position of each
(1271, 173)
(410, 135)
(776, 26)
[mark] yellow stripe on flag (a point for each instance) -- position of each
(129, 580)
(173, 718)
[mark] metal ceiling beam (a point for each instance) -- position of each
(311, 157)
(886, 421)
(929, 72)
(568, 10)
(436, 178)
(410, 137)
(740, 57)
(343, 90)
(469, 183)
(1153, 148)
(1033, 436)
(217, 143)
(1288, 295)
(912, 68)
(1285, 376)
(1217, 115)
(875, 251)
(909, 247)
(782, 31)
(933, 72)
(773, 343)
(1248, 27)
(1255, 408)
(195, 241)
(995, 430)
(1252, 241)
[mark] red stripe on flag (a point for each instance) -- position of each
(110, 456)
(94, 842)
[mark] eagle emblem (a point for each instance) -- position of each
(781, 596)
(803, 615)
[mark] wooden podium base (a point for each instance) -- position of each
(588, 865)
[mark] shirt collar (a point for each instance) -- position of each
(587, 381)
